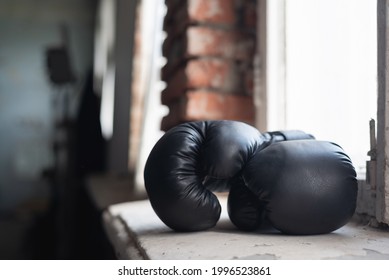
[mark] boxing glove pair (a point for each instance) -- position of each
(302, 186)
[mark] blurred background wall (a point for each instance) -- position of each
(32, 106)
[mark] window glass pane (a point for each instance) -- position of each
(331, 71)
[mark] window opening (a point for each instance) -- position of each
(322, 71)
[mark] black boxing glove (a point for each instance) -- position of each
(244, 208)
(188, 162)
(304, 186)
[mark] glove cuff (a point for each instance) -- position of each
(288, 135)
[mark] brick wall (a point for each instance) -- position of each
(210, 48)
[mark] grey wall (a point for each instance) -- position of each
(27, 28)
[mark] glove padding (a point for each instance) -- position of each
(303, 187)
(190, 160)
(244, 208)
(193, 159)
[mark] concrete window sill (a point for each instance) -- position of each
(136, 232)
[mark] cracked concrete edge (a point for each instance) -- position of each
(122, 238)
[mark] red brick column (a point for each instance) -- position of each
(210, 48)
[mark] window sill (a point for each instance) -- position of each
(136, 232)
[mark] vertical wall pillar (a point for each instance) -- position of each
(382, 203)
(118, 157)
